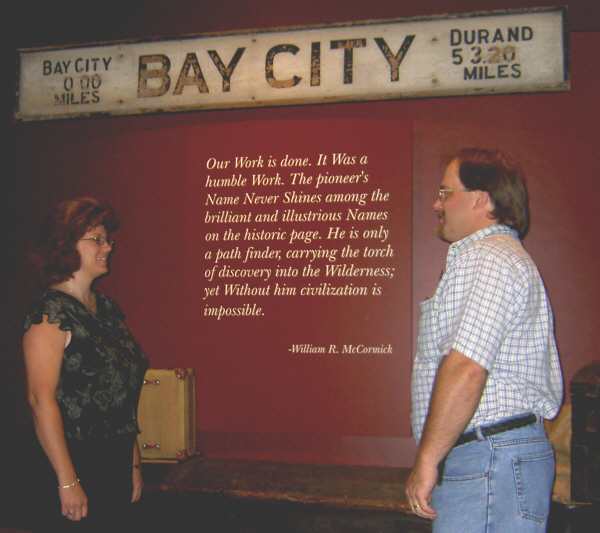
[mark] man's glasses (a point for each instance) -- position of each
(444, 192)
(100, 241)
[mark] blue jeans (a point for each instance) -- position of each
(498, 484)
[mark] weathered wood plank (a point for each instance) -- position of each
(339, 486)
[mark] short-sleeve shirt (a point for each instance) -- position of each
(491, 306)
(102, 370)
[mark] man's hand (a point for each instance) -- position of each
(419, 487)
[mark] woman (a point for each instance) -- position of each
(84, 374)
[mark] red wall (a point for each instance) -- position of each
(138, 163)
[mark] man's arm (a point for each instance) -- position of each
(456, 394)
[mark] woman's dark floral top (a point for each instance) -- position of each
(103, 366)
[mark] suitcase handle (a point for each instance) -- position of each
(151, 381)
(151, 445)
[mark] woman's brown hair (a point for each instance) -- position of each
(55, 255)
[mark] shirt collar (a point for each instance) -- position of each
(495, 229)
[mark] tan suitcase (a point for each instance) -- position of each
(167, 415)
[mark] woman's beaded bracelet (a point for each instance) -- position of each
(69, 485)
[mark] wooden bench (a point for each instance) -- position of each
(277, 497)
(237, 496)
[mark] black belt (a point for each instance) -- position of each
(494, 429)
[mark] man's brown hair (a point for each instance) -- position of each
(497, 174)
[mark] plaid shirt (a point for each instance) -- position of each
(491, 306)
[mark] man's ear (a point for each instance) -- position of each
(484, 201)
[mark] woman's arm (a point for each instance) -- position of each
(138, 482)
(43, 347)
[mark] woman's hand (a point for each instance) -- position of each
(138, 483)
(73, 502)
(136, 473)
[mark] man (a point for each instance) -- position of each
(486, 372)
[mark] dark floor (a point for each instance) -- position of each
(211, 497)
(220, 514)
